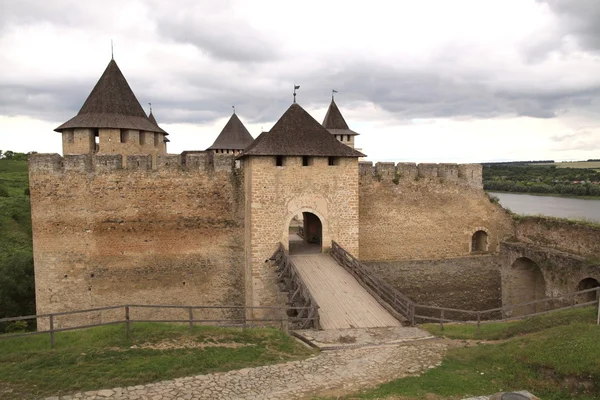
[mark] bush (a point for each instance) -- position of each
(17, 287)
(26, 192)
(3, 192)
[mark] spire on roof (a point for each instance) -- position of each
(234, 136)
(152, 119)
(296, 133)
(333, 118)
(334, 121)
(111, 104)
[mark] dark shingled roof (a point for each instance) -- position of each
(111, 104)
(234, 136)
(153, 120)
(335, 123)
(298, 134)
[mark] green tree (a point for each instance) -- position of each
(17, 287)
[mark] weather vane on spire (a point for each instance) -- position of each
(233, 108)
(150, 104)
(332, 93)
(295, 87)
(112, 54)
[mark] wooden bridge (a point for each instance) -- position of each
(320, 281)
(343, 302)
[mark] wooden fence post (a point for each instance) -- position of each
(191, 313)
(598, 297)
(51, 331)
(442, 320)
(478, 322)
(127, 324)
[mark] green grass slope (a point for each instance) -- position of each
(17, 296)
(102, 357)
(556, 357)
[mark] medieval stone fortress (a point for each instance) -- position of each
(118, 220)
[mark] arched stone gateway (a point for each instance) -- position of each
(305, 234)
(525, 283)
(587, 283)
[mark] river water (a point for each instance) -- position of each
(562, 207)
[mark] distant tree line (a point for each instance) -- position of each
(512, 177)
(519, 162)
(13, 155)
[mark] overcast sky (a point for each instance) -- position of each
(424, 81)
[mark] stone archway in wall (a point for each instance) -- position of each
(315, 207)
(480, 241)
(587, 283)
(527, 284)
(305, 234)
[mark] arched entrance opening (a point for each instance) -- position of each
(305, 234)
(587, 283)
(527, 284)
(479, 242)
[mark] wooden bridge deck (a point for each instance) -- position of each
(343, 302)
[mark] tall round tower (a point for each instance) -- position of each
(112, 121)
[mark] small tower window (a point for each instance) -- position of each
(348, 138)
(279, 161)
(124, 134)
(333, 161)
(305, 161)
(156, 139)
(142, 137)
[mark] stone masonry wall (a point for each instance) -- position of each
(470, 283)
(551, 255)
(572, 237)
(425, 212)
(104, 235)
(274, 195)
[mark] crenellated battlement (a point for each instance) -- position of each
(462, 174)
(201, 161)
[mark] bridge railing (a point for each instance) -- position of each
(381, 290)
(414, 312)
(302, 305)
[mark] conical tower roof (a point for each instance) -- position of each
(111, 104)
(234, 136)
(334, 121)
(298, 134)
(153, 120)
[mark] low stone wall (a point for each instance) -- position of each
(572, 237)
(471, 283)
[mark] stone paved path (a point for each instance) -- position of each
(331, 372)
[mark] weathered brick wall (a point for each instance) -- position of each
(425, 212)
(551, 258)
(104, 235)
(274, 195)
(577, 238)
(469, 283)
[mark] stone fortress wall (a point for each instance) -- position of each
(410, 212)
(107, 235)
(549, 257)
(416, 228)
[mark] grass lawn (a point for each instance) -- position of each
(555, 363)
(505, 330)
(103, 358)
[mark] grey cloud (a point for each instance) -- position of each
(215, 29)
(405, 94)
(580, 19)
